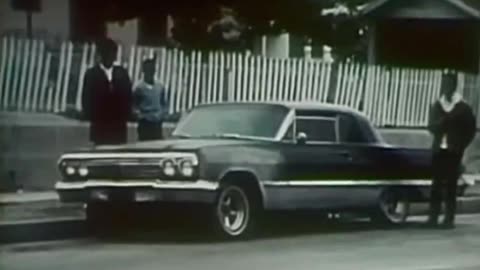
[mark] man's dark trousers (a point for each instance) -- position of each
(446, 171)
(149, 131)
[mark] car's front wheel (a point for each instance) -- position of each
(393, 208)
(234, 212)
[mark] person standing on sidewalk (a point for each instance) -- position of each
(107, 97)
(453, 126)
(151, 104)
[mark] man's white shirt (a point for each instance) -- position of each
(108, 72)
(448, 107)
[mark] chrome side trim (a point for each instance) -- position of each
(314, 183)
(199, 184)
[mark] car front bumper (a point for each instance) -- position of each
(199, 191)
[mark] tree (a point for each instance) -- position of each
(230, 24)
(343, 28)
(227, 31)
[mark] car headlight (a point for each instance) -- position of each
(70, 170)
(186, 168)
(83, 171)
(168, 167)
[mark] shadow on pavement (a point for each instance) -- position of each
(193, 227)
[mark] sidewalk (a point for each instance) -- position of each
(40, 216)
(36, 207)
(27, 197)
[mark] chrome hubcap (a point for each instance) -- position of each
(395, 210)
(233, 210)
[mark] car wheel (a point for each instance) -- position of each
(234, 212)
(393, 208)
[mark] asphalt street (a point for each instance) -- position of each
(288, 244)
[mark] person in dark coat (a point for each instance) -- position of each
(453, 126)
(107, 98)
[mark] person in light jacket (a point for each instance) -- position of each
(453, 126)
(150, 104)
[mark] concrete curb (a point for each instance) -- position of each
(465, 205)
(27, 197)
(68, 228)
(42, 230)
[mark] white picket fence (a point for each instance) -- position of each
(34, 77)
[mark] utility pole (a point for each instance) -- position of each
(29, 24)
(29, 7)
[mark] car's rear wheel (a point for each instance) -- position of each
(393, 208)
(234, 212)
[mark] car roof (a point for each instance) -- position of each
(299, 106)
(360, 116)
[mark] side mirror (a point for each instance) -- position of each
(302, 138)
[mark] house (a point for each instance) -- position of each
(49, 18)
(424, 33)
(77, 20)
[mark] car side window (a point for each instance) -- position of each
(350, 130)
(318, 129)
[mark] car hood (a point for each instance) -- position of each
(172, 145)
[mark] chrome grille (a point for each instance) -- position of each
(124, 169)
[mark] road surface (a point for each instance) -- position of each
(290, 245)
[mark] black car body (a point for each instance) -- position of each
(243, 158)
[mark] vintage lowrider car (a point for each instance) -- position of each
(245, 158)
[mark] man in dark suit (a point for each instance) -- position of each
(453, 127)
(107, 97)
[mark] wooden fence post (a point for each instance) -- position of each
(65, 87)
(395, 97)
(40, 65)
(16, 58)
(30, 76)
(45, 89)
(27, 53)
(60, 77)
(3, 68)
(83, 69)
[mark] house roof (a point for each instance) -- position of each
(469, 7)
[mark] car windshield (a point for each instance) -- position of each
(233, 121)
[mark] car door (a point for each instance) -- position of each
(314, 169)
